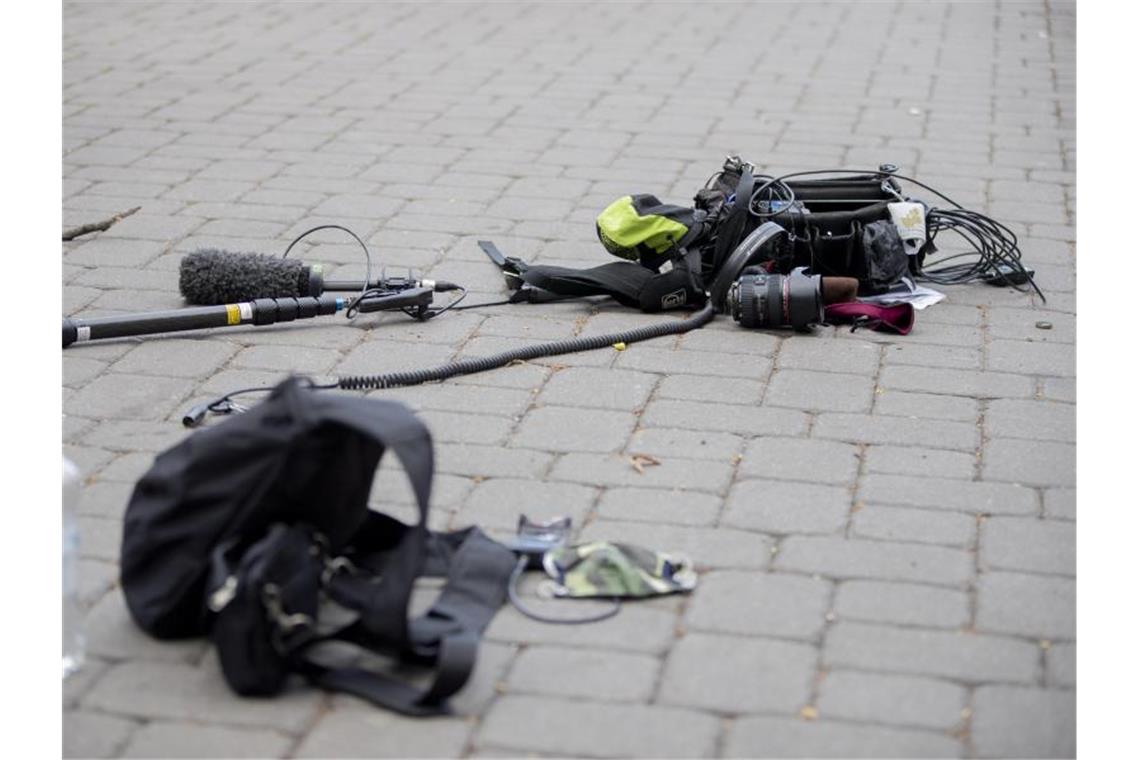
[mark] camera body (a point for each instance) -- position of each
(760, 299)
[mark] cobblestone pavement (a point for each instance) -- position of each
(884, 526)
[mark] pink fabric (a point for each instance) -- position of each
(897, 318)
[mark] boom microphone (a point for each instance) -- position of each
(210, 276)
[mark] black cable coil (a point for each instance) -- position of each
(550, 348)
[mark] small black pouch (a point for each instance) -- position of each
(266, 607)
(835, 254)
(885, 257)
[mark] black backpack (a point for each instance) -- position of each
(241, 530)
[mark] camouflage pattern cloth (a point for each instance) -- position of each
(610, 569)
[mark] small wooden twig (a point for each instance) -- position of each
(102, 226)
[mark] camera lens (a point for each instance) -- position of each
(758, 300)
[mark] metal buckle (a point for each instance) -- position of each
(223, 594)
(286, 622)
(334, 565)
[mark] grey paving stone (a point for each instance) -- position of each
(1041, 546)
(111, 634)
(945, 493)
(902, 603)
(765, 604)
(735, 675)
(209, 190)
(490, 461)
(800, 459)
(657, 505)
(824, 355)
(1060, 389)
(913, 460)
(762, 736)
(554, 726)
(455, 398)
(1031, 358)
(128, 396)
(78, 371)
(619, 470)
(80, 682)
(662, 443)
(75, 299)
(96, 578)
(1027, 605)
(176, 358)
(957, 382)
(893, 700)
(1044, 463)
(377, 356)
(88, 459)
(1033, 420)
(99, 538)
(840, 558)
(455, 427)
(183, 692)
(819, 391)
(736, 390)
(930, 406)
(1061, 666)
(127, 467)
(782, 507)
(300, 359)
(598, 388)
(956, 655)
(706, 547)
(730, 340)
(941, 334)
(1018, 722)
(556, 428)
(650, 358)
(874, 428)
(728, 418)
(379, 733)
(189, 740)
(1061, 503)
(92, 734)
(921, 526)
(498, 502)
(924, 355)
(584, 673)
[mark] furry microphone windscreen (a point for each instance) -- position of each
(209, 276)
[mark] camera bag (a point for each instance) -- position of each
(252, 530)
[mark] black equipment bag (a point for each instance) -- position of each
(242, 529)
(837, 226)
(827, 223)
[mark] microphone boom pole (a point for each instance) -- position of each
(261, 311)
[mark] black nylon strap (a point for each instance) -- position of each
(476, 588)
(622, 280)
(447, 634)
(455, 663)
(732, 229)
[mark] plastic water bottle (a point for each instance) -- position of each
(73, 643)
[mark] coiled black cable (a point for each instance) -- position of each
(517, 603)
(524, 353)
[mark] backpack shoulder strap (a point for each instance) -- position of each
(446, 636)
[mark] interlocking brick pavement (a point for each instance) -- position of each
(884, 526)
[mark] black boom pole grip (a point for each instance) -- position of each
(263, 311)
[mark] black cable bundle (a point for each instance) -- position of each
(524, 353)
(995, 255)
